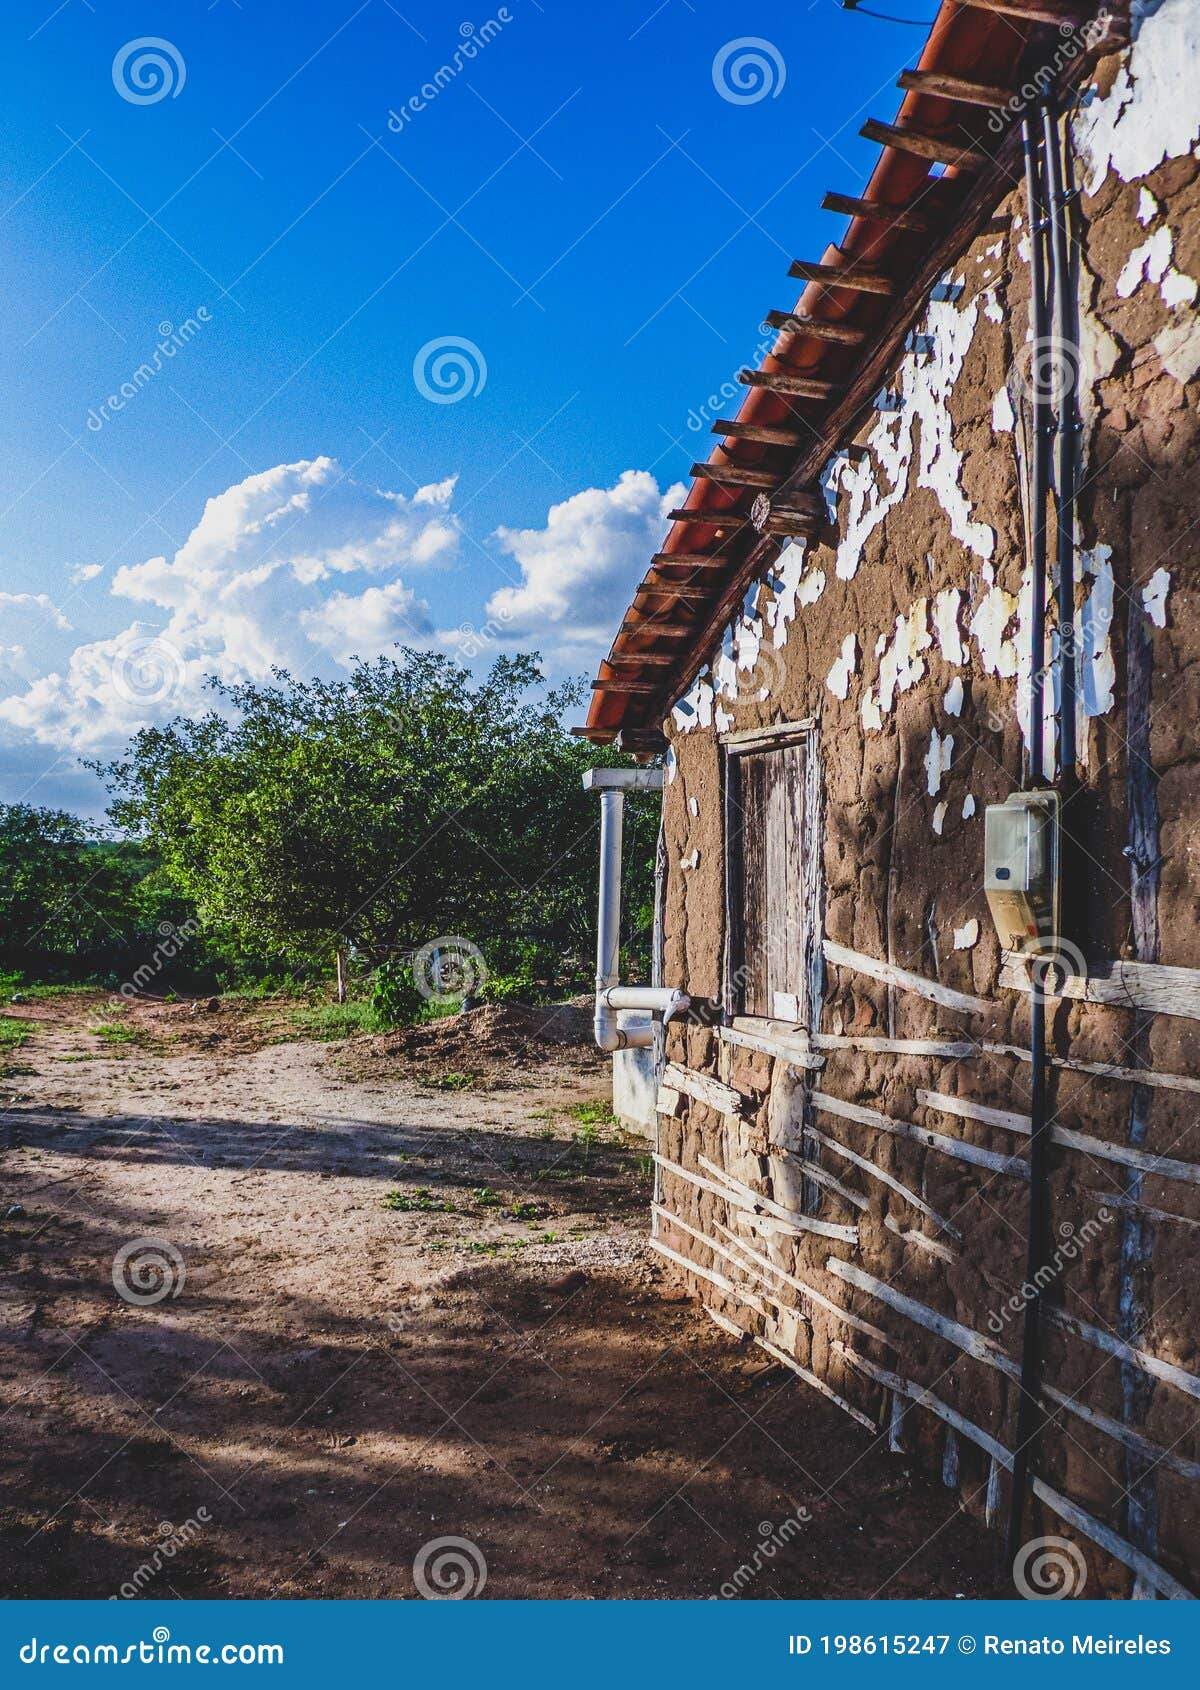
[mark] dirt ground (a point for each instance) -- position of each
(316, 1385)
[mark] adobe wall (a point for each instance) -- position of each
(906, 634)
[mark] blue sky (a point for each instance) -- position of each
(580, 215)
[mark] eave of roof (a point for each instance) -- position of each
(833, 350)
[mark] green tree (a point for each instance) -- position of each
(402, 803)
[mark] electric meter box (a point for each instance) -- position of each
(1020, 869)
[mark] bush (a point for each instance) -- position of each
(394, 996)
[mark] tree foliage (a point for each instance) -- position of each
(402, 803)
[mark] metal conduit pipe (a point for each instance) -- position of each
(1052, 307)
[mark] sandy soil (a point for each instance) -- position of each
(327, 1383)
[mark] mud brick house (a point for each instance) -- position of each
(940, 1160)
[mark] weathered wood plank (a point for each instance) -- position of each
(817, 1298)
(965, 1338)
(713, 1278)
(1126, 1156)
(876, 969)
(794, 1051)
(705, 1088)
(1119, 985)
(786, 1360)
(874, 1171)
(1092, 1528)
(954, 1147)
(768, 1205)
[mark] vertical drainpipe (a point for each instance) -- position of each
(608, 923)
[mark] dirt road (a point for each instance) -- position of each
(290, 1388)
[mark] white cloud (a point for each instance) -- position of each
(247, 590)
(39, 605)
(86, 572)
(350, 627)
(578, 573)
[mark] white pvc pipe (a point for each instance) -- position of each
(609, 1036)
(611, 996)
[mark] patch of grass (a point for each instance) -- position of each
(81, 1056)
(421, 1201)
(43, 994)
(334, 1020)
(485, 1198)
(114, 1034)
(453, 1082)
(13, 1032)
(598, 1114)
(437, 1011)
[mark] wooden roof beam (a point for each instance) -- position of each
(855, 276)
(895, 216)
(661, 629)
(845, 334)
(688, 560)
(709, 519)
(673, 590)
(733, 475)
(648, 687)
(759, 432)
(937, 148)
(639, 659)
(943, 87)
(782, 381)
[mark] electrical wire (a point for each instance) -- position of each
(886, 17)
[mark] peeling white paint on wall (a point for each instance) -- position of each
(939, 817)
(922, 426)
(1147, 207)
(946, 627)
(794, 586)
(1151, 262)
(695, 708)
(954, 697)
(1003, 418)
(671, 764)
(869, 712)
(1154, 597)
(967, 935)
(937, 761)
(694, 806)
(691, 861)
(902, 665)
(1096, 672)
(968, 808)
(1152, 110)
(1178, 346)
(993, 614)
(838, 678)
(992, 308)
